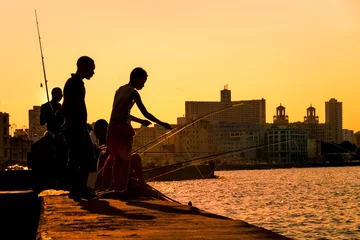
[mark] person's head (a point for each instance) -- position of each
(56, 94)
(138, 78)
(100, 128)
(85, 67)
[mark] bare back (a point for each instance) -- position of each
(122, 105)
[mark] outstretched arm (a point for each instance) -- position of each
(141, 121)
(139, 103)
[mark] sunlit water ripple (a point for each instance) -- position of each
(305, 203)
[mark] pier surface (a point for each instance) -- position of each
(63, 218)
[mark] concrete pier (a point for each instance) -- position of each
(63, 218)
(19, 211)
(52, 215)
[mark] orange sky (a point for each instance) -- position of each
(295, 53)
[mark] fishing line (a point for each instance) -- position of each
(179, 129)
(189, 155)
(206, 158)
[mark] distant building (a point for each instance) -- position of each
(314, 150)
(4, 137)
(333, 113)
(286, 145)
(288, 142)
(319, 131)
(280, 118)
(154, 152)
(311, 117)
(19, 147)
(348, 135)
(241, 140)
(22, 133)
(253, 111)
(36, 131)
(183, 120)
(357, 139)
(193, 141)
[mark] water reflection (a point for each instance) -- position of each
(306, 203)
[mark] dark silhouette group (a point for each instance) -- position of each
(70, 149)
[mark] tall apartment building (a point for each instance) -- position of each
(253, 111)
(36, 131)
(4, 137)
(333, 113)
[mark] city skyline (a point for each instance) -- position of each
(12, 124)
(293, 53)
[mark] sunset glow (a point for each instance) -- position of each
(295, 53)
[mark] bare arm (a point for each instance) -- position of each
(141, 121)
(146, 114)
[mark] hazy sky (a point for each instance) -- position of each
(295, 53)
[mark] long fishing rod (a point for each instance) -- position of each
(180, 128)
(42, 58)
(206, 158)
(193, 164)
(218, 155)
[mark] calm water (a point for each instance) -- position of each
(307, 203)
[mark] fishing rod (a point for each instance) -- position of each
(42, 58)
(177, 130)
(180, 128)
(206, 158)
(218, 155)
(161, 195)
(174, 170)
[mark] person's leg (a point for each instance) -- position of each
(121, 170)
(136, 165)
(100, 164)
(62, 157)
(107, 172)
(119, 142)
(88, 160)
(74, 143)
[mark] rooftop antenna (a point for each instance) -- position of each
(42, 58)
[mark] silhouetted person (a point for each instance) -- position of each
(49, 165)
(116, 170)
(100, 130)
(51, 112)
(98, 138)
(81, 153)
(101, 154)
